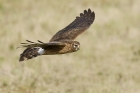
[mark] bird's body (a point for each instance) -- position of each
(68, 48)
(63, 41)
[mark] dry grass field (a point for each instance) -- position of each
(108, 61)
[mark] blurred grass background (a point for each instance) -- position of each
(108, 61)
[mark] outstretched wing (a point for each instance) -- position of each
(35, 49)
(41, 44)
(79, 25)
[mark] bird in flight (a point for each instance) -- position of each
(62, 42)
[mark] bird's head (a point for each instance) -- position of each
(75, 46)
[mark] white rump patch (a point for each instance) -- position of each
(41, 51)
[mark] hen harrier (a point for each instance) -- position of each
(63, 41)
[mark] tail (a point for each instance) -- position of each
(30, 53)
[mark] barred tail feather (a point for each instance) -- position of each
(30, 53)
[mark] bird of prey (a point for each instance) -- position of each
(62, 42)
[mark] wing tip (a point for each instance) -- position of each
(88, 13)
(89, 10)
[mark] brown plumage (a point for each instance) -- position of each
(63, 41)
